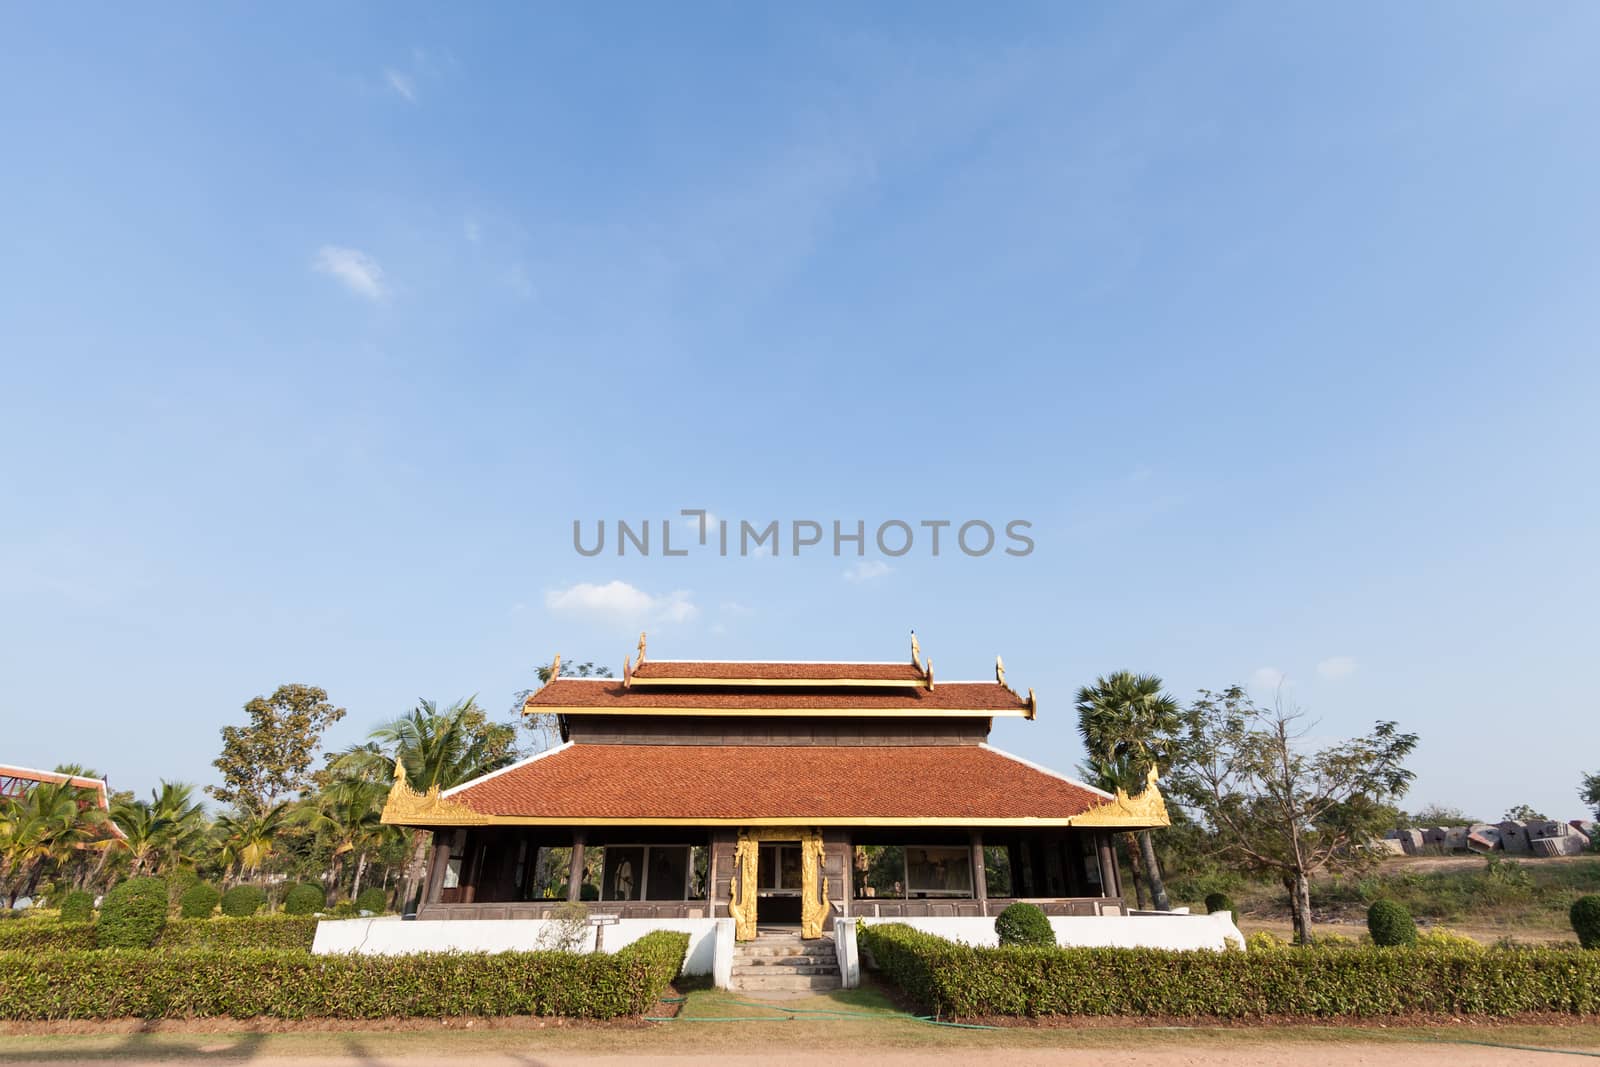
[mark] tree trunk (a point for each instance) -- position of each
(361, 868)
(1138, 870)
(1300, 906)
(1152, 871)
(416, 873)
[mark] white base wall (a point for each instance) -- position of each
(392, 936)
(1169, 931)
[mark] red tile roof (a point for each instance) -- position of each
(778, 671)
(609, 695)
(958, 783)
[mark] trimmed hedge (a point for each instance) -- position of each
(1025, 924)
(1585, 917)
(372, 899)
(199, 901)
(243, 900)
(305, 899)
(132, 914)
(292, 985)
(952, 979)
(45, 936)
(1390, 924)
(77, 907)
(255, 932)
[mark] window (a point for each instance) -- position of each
(939, 872)
(646, 872)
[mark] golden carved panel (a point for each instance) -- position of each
(407, 807)
(814, 905)
(1146, 809)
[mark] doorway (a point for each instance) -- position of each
(779, 883)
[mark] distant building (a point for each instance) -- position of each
(20, 781)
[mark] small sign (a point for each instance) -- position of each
(604, 920)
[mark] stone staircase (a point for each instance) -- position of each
(780, 961)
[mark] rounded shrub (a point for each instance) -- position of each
(305, 899)
(1391, 924)
(1585, 916)
(372, 899)
(199, 901)
(132, 914)
(77, 907)
(243, 900)
(179, 882)
(1216, 902)
(1024, 924)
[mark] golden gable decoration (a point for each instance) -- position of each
(1145, 809)
(407, 807)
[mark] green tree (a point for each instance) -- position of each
(1591, 792)
(269, 758)
(1524, 813)
(439, 749)
(346, 815)
(163, 832)
(1439, 815)
(1276, 807)
(1125, 720)
(545, 730)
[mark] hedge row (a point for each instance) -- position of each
(953, 979)
(294, 985)
(259, 931)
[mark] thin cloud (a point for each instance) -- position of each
(619, 602)
(358, 271)
(1267, 678)
(1336, 667)
(402, 84)
(866, 570)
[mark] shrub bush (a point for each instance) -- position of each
(1585, 916)
(305, 899)
(959, 980)
(132, 914)
(199, 901)
(290, 985)
(243, 900)
(77, 907)
(1216, 902)
(372, 899)
(1446, 938)
(1025, 924)
(1390, 924)
(289, 932)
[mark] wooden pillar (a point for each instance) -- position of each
(575, 871)
(847, 853)
(1110, 881)
(980, 878)
(434, 883)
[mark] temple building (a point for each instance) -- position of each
(773, 793)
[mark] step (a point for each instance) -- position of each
(814, 968)
(775, 983)
(804, 948)
(785, 962)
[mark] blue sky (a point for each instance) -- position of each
(319, 327)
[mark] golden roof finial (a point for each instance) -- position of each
(627, 672)
(927, 672)
(399, 771)
(641, 648)
(555, 669)
(916, 651)
(999, 670)
(1033, 704)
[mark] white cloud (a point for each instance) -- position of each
(1336, 667)
(619, 602)
(358, 271)
(401, 84)
(472, 231)
(866, 570)
(1267, 678)
(734, 609)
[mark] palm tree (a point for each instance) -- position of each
(250, 837)
(1124, 720)
(439, 749)
(45, 827)
(162, 832)
(346, 815)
